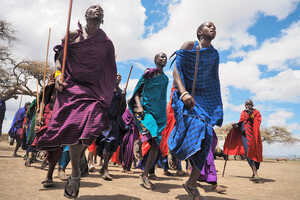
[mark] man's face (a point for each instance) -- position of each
(94, 12)
(161, 59)
(119, 78)
(208, 30)
(248, 106)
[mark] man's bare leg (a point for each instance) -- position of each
(153, 153)
(191, 184)
(104, 170)
(73, 183)
(91, 162)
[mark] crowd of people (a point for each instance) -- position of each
(87, 110)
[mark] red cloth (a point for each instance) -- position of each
(23, 125)
(169, 127)
(115, 156)
(47, 117)
(233, 143)
(92, 148)
(145, 148)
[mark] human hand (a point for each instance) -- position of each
(188, 101)
(59, 84)
(235, 125)
(140, 113)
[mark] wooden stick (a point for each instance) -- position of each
(44, 77)
(20, 101)
(195, 73)
(125, 89)
(128, 78)
(66, 42)
(223, 173)
(37, 95)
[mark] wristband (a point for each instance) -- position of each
(57, 73)
(183, 94)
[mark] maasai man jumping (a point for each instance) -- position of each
(196, 115)
(15, 130)
(149, 104)
(245, 139)
(111, 138)
(80, 110)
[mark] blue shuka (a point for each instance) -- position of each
(192, 134)
(17, 123)
(154, 101)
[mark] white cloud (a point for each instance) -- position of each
(232, 19)
(281, 118)
(275, 53)
(131, 85)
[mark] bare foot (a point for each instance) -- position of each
(219, 189)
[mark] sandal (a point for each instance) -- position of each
(192, 191)
(105, 175)
(219, 189)
(48, 183)
(72, 187)
(146, 183)
(62, 175)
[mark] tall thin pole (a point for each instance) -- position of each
(223, 173)
(195, 73)
(37, 95)
(128, 79)
(125, 89)
(66, 41)
(45, 72)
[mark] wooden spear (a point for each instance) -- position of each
(66, 42)
(195, 73)
(226, 159)
(125, 89)
(44, 76)
(128, 79)
(37, 95)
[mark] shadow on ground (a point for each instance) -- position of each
(165, 187)
(61, 185)
(107, 197)
(187, 197)
(261, 180)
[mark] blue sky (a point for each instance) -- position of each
(258, 42)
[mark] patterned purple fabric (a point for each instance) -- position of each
(126, 148)
(208, 172)
(80, 110)
(150, 72)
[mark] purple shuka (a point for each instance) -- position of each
(208, 172)
(126, 149)
(79, 111)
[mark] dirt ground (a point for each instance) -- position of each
(281, 180)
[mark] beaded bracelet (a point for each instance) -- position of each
(183, 94)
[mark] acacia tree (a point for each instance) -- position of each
(268, 134)
(15, 76)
